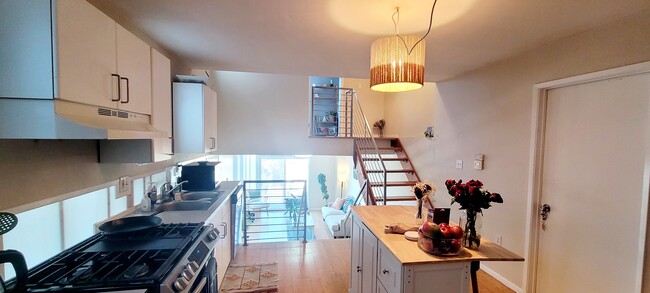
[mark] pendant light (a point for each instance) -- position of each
(397, 62)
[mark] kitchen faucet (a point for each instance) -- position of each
(179, 187)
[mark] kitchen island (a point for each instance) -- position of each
(389, 263)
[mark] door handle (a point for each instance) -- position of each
(119, 87)
(128, 94)
(214, 143)
(544, 210)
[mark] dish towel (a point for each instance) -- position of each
(255, 278)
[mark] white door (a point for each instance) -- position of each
(592, 179)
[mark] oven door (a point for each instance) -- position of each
(207, 280)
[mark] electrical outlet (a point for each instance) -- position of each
(459, 164)
(499, 240)
(478, 165)
(123, 186)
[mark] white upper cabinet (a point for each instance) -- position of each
(98, 61)
(133, 66)
(161, 92)
(86, 51)
(194, 114)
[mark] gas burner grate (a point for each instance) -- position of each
(127, 260)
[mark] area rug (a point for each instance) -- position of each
(257, 278)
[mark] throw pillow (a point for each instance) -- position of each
(338, 203)
(348, 203)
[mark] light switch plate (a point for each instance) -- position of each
(123, 186)
(479, 157)
(459, 164)
(478, 165)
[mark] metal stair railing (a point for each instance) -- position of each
(274, 207)
(365, 147)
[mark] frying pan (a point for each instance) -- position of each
(130, 224)
(9, 221)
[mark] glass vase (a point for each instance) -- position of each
(471, 222)
(419, 218)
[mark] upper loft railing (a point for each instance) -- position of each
(366, 155)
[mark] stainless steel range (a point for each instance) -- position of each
(167, 258)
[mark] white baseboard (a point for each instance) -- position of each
(501, 278)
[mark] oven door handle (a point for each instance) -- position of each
(204, 281)
(225, 230)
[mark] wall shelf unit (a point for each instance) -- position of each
(331, 112)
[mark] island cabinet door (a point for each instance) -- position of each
(389, 270)
(363, 262)
(437, 278)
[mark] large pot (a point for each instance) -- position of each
(199, 176)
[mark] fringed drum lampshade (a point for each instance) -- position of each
(392, 68)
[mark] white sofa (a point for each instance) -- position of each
(334, 219)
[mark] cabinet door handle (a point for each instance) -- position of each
(119, 87)
(225, 229)
(128, 94)
(358, 269)
(214, 143)
(385, 271)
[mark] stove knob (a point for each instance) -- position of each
(213, 235)
(192, 267)
(187, 274)
(181, 283)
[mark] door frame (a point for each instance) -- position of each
(538, 127)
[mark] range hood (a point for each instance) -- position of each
(58, 119)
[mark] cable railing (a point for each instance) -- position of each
(366, 154)
(275, 210)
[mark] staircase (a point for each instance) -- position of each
(388, 169)
(382, 162)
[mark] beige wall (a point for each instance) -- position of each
(489, 110)
(372, 102)
(268, 114)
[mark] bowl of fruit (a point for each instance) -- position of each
(440, 239)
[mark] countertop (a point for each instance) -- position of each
(226, 187)
(408, 252)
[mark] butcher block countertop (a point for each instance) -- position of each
(408, 252)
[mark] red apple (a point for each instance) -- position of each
(429, 229)
(443, 225)
(446, 232)
(456, 232)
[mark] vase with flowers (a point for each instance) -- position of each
(472, 198)
(380, 125)
(423, 191)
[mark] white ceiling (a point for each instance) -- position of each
(333, 37)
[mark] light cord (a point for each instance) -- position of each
(433, 7)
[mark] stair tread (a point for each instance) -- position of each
(397, 198)
(392, 171)
(394, 183)
(385, 159)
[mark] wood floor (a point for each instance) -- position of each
(321, 265)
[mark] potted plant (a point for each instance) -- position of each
(331, 116)
(292, 204)
(323, 188)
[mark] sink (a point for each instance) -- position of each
(197, 195)
(185, 205)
